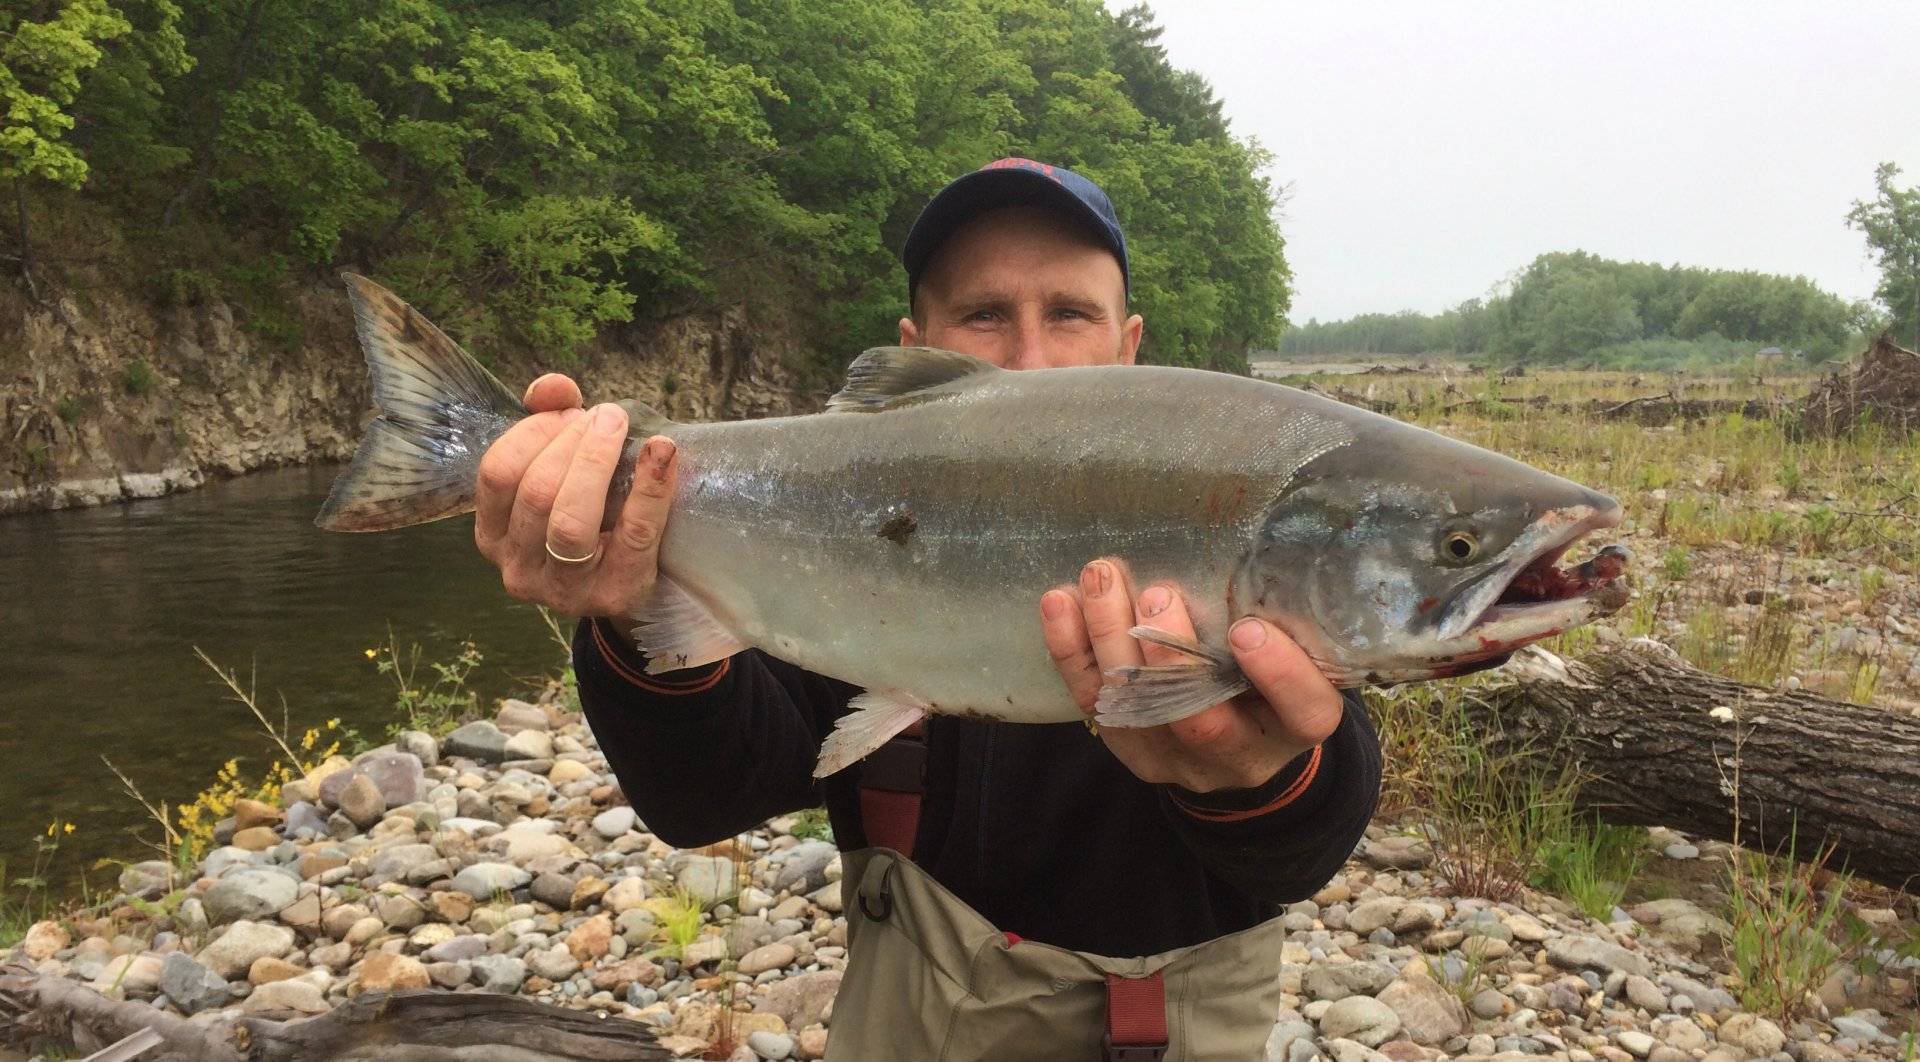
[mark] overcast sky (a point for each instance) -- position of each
(1434, 148)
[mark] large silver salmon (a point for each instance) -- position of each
(901, 540)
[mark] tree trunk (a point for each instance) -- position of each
(409, 1026)
(1670, 745)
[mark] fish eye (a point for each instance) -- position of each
(1459, 547)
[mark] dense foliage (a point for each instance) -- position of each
(532, 173)
(1891, 224)
(1574, 307)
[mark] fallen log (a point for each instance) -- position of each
(415, 1025)
(1670, 745)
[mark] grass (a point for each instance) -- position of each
(812, 824)
(1591, 863)
(435, 706)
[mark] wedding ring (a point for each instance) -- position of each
(572, 560)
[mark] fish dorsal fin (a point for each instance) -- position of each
(889, 377)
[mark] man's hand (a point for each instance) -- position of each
(543, 491)
(1239, 744)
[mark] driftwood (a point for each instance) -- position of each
(1666, 742)
(1883, 388)
(418, 1025)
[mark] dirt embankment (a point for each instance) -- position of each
(114, 398)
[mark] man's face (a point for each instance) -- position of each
(1022, 288)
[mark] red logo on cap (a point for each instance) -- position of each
(1022, 164)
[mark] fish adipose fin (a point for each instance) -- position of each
(676, 631)
(1166, 693)
(439, 411)
(874, 720)
(890, 377)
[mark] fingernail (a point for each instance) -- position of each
(607, 419)
(1096, 578)
(1155, 600)
(659, 456)
(1249, 633)
(1053, 604)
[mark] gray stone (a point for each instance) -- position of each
(449, 974)
(398, 776)
(800, 1000)
(225, 858)
(1644, 993)
(1488, 1003)
(420, 745)
(1342, 1049)
(481, 741)
(360, 801)
(1682, 850)
(1338, 980)
(776, 956)
(1751, 1034)
(499, 973)
(1680, 922)
(482, 880)
(1859, 1026)
(1397, 853)
(1377, 913)
(614, 822)
(1281, 1041)
(459, 949)
(250, 892)
(554, 890)
(191, 986)
(304, 821)
(146, 880)
(291, 996)
(242, 944)
(1362, 1019)
(1636, 1043)
(555, 963)
(529, 745)
(1588, 953)
(519, 715)
(769, 1045)
(398, 861)
(709, 879)
(1429, 1014)
(805, 867)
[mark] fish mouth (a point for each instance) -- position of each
(1526, 595)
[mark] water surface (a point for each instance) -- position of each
(100, 611)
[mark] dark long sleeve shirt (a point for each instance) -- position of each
(1037, 826)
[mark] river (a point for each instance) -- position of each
(101, 610)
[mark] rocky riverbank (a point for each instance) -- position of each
(121, 398)
(503, 859)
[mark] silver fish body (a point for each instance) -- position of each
(901, 541)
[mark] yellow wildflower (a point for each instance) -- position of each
(370, 654)
(69, 828)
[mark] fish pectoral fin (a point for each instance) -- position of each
(874, 719)
(889, 377)
(676, 631)
(1180, 645)
(1166, 693)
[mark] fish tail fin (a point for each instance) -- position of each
(439, 411)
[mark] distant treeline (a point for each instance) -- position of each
(534, 172)
(1575, 307)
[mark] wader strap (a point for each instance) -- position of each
(1136, 1018)
(892, 779)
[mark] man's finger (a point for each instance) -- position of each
(1162, 608)
(1065, 629)
(1108, 604)
(573, 527)
(1307, 705)
(503, 466)
(551, 392)
(631, 565)
(539, 489)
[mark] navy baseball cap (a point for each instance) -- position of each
(1011, 182)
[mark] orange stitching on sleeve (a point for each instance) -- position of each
(653, 685)
(1287, 796)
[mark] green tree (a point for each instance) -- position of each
(1891, 223)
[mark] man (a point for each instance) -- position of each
(1120, 842)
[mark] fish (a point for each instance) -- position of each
(901, 539)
